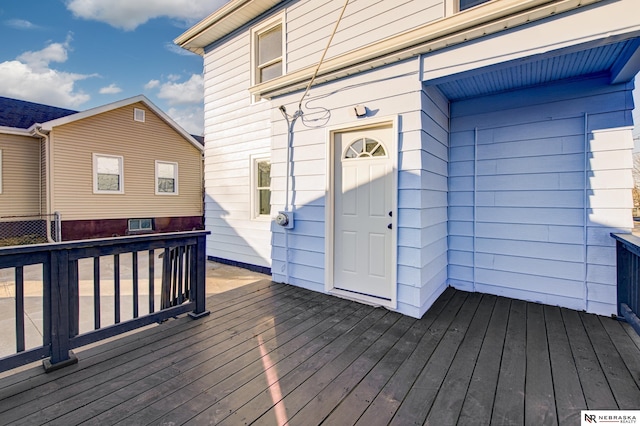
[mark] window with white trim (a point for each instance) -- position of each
(261, 187)
(108, 174)
(166, 178)
(136, 225)
(267, 46)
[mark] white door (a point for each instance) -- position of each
(363, 215)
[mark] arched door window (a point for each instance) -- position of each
(365, 147)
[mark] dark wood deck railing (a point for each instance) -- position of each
(628, 259)
(182, 290)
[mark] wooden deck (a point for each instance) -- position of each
(270, 354)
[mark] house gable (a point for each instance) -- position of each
(116, 133)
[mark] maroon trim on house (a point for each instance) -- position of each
(104, 228)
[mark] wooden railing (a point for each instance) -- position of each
(180, 289)
(628, 260)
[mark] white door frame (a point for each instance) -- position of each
(330, 209)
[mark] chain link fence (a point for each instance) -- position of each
(33, 229)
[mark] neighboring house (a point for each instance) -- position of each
(119, 169)
(484, 145)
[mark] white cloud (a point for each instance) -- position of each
(188, 92)
(129, 14)
(111, 89)
(30, 77)
(40, 60)
(152, 84)
(21, 24)
(190, 118)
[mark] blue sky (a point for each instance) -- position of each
(80, 54)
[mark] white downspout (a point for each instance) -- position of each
(585, 209)
(38, 131)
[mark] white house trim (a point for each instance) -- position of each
(329, 209)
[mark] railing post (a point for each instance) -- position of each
(61, 354)
(199, 286)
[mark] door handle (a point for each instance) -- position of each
(390, 226)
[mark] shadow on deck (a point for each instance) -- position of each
(272, 353)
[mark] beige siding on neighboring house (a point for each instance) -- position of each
(140, 144)
(20, 192)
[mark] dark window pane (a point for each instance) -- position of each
(270, 72)
(264, 204)
(466, 4)
(270, 45)
(264, 174)
(108, 182)
(166, 185)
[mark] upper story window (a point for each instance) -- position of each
(108, 174)
(466, 4)
(267, 44)
(166, 178)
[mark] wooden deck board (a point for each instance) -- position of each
(478, 404)
(569, 398)
(273, 353)
(508, 408)
(539, 404)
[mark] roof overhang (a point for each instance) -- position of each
(4, 130)
(49, 125)
(461, 28)
(233, 15)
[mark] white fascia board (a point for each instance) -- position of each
(49, 125)
(476, 23)
(5, 130)
(602, 23)
(223, 21)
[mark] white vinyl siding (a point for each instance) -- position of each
(231, 142)
(166, 178)
(0, 171)
(108, 175)
(309, 26)
(422, 181)
(537, 227)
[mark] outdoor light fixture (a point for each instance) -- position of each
(360, 110)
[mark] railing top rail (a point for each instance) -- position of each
(102, 242)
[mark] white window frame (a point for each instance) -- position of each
(140, 228)
(95, 173)
(255, 198)
(175, 178)
(261, 29)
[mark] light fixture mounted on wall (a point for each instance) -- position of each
(360, 110)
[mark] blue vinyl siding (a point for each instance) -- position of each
(533, 229)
